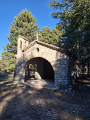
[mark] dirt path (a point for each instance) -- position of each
(31, 104)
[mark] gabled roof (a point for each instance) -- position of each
(49, 46)
(43, 44)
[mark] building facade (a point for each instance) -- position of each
(50, 62)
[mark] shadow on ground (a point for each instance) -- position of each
(21, 103)
(82, 83)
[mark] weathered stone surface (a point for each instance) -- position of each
(56, 57)
(37, 76)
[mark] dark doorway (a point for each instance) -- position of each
(41, 66)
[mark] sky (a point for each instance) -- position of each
(11, 8)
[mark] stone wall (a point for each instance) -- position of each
(58, 60)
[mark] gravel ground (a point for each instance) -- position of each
(20, 103)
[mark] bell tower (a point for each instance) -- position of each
(22, 42)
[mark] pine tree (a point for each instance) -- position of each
(25, 25)
(8, 61)
(74, 17)
(51, 36)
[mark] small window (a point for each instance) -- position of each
(37, 49)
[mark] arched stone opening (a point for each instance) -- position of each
(39, 68)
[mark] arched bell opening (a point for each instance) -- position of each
(39, 68)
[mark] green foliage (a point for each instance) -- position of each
(7, 62)
(74, 18)
(51, 36)
(1, 66)
(25, 25)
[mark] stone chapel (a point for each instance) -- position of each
(47, 61)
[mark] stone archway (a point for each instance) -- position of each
(41, 67)
(51, 62)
